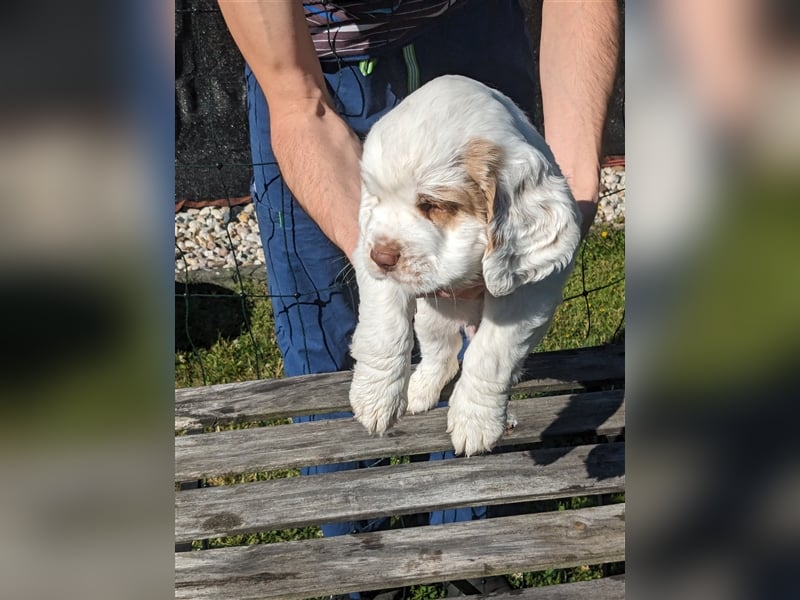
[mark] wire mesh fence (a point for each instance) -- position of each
(224, 326)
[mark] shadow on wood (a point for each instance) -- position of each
(600, 412)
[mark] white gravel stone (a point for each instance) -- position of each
(203, 236)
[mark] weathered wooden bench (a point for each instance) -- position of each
(568, 443)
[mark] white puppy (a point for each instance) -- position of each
(457, 187)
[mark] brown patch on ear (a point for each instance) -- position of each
(481, 159)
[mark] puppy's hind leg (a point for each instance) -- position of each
(440, 340)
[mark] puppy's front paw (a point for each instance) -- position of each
(475, 422)
(377, 405)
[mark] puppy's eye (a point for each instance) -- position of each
(432, 208)
(425, 207)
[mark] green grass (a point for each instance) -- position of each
(252, 355)
(594, 309)
(592, 314)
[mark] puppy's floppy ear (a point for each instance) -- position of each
(481, 160)
(533, 220)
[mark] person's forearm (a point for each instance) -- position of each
(317, 152)
(577, 66)
(319, 159)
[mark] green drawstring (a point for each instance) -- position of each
(412, 68)
(366, 66)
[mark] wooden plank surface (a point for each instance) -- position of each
(403, 557)
(320, 394)
(342, 440)
(399, 489)
(607, 588)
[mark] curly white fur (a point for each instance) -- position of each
(457, 185)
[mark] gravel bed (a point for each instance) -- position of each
(214, 238)
(611, 207)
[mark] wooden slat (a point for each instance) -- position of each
(404, 557)
(320, 394)
(328, 442)
(400, 489)
(262, 399)
(607, 588)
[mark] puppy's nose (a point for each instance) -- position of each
(385, 257)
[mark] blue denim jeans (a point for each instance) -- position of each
(314, 305)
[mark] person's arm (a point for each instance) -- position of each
(577, 66)
(317, 152)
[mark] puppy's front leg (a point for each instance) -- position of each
(511, 326)
(381, 346)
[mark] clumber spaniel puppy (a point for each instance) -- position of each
(457, 188)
